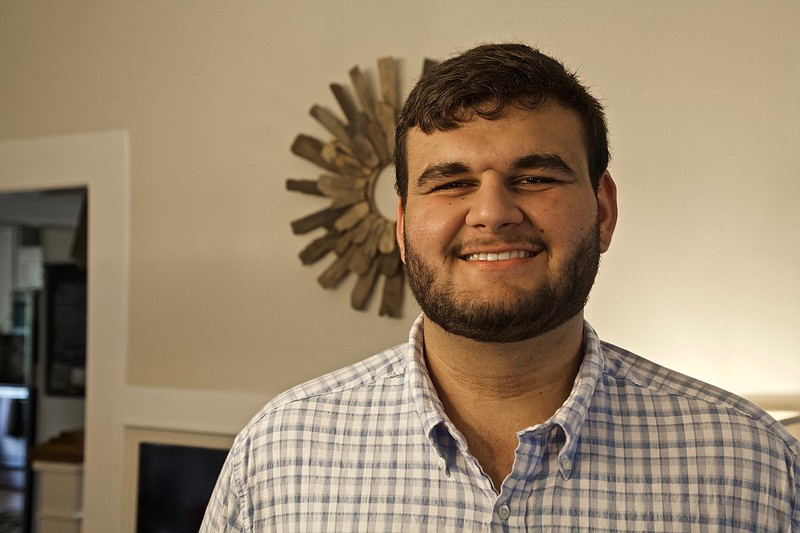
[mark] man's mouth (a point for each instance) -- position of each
(498, 256)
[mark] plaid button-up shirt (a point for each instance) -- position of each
(636, 447)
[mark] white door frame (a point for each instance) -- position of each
(99, 162)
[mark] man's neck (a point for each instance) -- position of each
(491, 391)
(505, 372)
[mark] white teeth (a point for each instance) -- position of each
(502, 256)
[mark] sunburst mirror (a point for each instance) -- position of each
(354, 161)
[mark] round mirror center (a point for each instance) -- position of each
(384, 196)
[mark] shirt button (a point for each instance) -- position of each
(566, 463)
(503, 512)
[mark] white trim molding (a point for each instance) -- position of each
(99, 162)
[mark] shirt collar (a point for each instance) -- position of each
(424, 395)
(572, 413)
(570, 417)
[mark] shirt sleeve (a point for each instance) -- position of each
(796, 497)
(224, 511)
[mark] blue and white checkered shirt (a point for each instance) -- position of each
(635, 447)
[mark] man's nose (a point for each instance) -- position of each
(493, 206)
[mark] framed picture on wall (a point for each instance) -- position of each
(65, 330)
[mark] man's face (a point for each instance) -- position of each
(502, 231)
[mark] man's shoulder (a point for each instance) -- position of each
(687, 396)
(355, 383)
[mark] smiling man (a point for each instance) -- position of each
(504, 411)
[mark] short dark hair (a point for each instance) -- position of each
(484, 81)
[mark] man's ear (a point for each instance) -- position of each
(400, 229)
(607, 209)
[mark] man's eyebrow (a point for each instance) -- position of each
(441, 170)
(543, 162)
(527, 162)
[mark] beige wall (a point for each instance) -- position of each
(703, 100)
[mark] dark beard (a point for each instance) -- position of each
(532, 314)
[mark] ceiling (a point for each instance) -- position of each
(60, 207)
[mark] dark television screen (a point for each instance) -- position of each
(175, 483)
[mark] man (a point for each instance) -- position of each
(505, 411)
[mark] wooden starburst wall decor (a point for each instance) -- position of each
(360, 153)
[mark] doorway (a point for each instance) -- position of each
(98, 161)
(42, 334)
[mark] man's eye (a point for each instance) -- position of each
(451, 185)
(535, 180)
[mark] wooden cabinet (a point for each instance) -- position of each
(58, 497)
